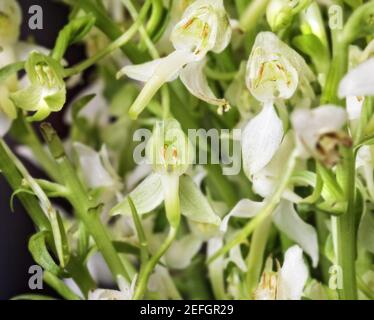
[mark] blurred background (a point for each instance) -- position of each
(15, 227)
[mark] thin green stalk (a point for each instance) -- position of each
(165, 94)
(117, 43)
(75, 268)
(25, 134)
(264, 213)
(256, 254)
(254, 11)
(148, 269)
(111, 29)
(346, 232)
(86, 211)
(59, 286)
(345, 225)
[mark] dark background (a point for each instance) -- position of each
(16, 227)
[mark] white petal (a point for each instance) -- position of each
(167, 68)
(261, 139)
(5, 124)
(288, 221)
(194, 204)
(293, 275)
(182, 251)
(147, 196)
(244, 209)
(310, 125)
(92, 167)
(195, 81)
(359, 81)
(265, 181)
(99, 270)
(354, 107)
(141, 72)
(104, 294)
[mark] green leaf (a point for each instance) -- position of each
(39, 251)
(126, 248)
(17, 192)
(73, 32)
(312, 46)
(8, 70)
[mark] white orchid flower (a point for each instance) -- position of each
(274, 72)
(170, 154)
(287, 283)
(319, 133)
(359, 81)
(204, 27)
(126, 291)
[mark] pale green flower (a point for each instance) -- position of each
(46, 92)
(280, 13)
(10, 21)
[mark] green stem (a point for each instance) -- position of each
(255, 10)
(25, 134)
(84, 208)
(59, 286)
(264, 213)
(165, 94)
(76, 269)
(345, 225)
(119, 42)
(256, 254)
(148, 269)
(111, 29)
(346, 232)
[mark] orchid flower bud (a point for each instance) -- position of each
(204, 27)
(320, 133)
(10, 22)
(280, 13)
(46, 92)
(288, 282)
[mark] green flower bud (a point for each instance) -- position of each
(10, 21)
(46, 92)
(280, 13)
